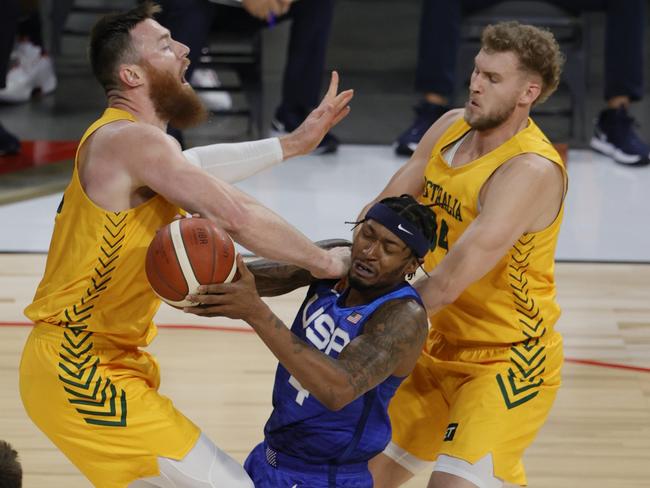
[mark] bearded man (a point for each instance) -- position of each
(84, 380)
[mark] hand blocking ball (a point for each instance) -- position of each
(188, 253)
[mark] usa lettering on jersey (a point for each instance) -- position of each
(322, 332)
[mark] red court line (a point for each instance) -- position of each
(602, 364)
(586, 362)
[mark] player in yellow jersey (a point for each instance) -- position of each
(488, 375)
(84, 380)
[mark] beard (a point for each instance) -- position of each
(174, 102)
(357, 284)
(490, 121)
(385, 282)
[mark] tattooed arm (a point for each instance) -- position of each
(391, 343)
(273, 278)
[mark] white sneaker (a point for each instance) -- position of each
(32, 72)
(213, 100)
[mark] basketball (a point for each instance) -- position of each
(188, 253)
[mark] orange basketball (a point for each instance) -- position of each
(188, 253)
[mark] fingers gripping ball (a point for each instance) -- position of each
(188, 253)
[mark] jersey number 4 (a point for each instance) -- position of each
(440, 239)
(302, 393)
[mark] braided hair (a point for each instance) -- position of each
(419, 215)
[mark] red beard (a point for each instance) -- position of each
(174, 102)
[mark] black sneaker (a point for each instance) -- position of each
(614, 136)
(425, 115)
(9, 144)
(284, 123)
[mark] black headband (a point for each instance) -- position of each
(402, 228)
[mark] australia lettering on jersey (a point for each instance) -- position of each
(440, 198)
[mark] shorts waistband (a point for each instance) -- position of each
(54, 334)
(550, 338)
(281, 460)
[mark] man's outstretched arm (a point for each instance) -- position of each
(273, 278)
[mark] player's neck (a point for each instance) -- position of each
(138, 105)
(485, 141)
(357, 296)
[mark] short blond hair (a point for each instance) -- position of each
(536, 49)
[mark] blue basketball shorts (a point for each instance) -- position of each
(270, 469)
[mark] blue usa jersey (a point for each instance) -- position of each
(300, 425)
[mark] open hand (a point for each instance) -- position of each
(332, 109)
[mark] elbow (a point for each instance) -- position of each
(447, 297)
(334, 404)
(335, 399)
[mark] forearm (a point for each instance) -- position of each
(268, 235)
(236, 161)
(468, 261)
(273, 278)
(319, 374)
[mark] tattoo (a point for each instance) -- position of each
(273, 278)
(298, 344)
(395, 332)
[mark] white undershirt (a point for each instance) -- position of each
(449, 153)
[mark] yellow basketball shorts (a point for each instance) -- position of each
(100, 405)
(467, 402)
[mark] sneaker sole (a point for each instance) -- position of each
(613, 152)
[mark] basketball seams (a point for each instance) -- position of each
(201, 254)
(158, 253)
(183, 260)
(213, 252)
(153, 269)
(233, 270)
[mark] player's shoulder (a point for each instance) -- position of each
(446, 120)
(451, 116)
(399, 321)
(532, 173)
(437, 130)
(403, 310)
(129, 138)
(532, 165)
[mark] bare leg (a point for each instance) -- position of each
(446, 480)
(387, 473)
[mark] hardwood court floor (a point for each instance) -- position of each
(598, 434)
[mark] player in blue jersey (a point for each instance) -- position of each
(350, 346)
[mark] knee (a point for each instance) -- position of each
(386, 473)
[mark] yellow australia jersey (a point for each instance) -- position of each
(515, 301)
(94, 277)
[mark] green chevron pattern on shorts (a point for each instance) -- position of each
(95, 398)
(515, 395)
